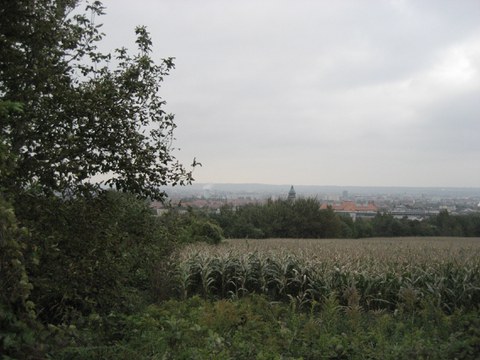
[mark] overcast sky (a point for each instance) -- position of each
(372, 93)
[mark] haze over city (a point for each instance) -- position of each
(370, 93)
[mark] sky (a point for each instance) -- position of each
(305, 92)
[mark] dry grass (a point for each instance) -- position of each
(409, 249)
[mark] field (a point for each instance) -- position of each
(376, 274)
(392, 298)
(415, 249)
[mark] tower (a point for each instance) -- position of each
(291, 194)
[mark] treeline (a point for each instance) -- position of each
(303, 218)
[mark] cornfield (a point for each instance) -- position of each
(374, 274)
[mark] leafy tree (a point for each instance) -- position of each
(347, 227)
(19, 334)
(447, 225)
(95, 255)
(277, 220)
(68, 113)
(332, 225)
(363, 228)
(226, 219)
(18, 324)
(386, 225)
(308, 217)
(192, 226)
(85, 113)
(304, 219)
(281, 218)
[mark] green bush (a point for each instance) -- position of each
(192, 226)
(254, 328)
(19, 329)
(204, 230)
(96, 255)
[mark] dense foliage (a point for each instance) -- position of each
(300, 219)
(254, 328)
(85, 113)
(95, 256)
(18, 325)
(303, 218)
(74, 120)
(191, 226)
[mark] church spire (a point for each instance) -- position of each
(291, 194)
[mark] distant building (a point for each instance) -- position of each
(350, 208)
(291, 194)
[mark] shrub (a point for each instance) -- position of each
(192, 226)
(19, 328)
(96, 255)
(204, 230)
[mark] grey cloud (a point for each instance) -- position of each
(319, 92)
